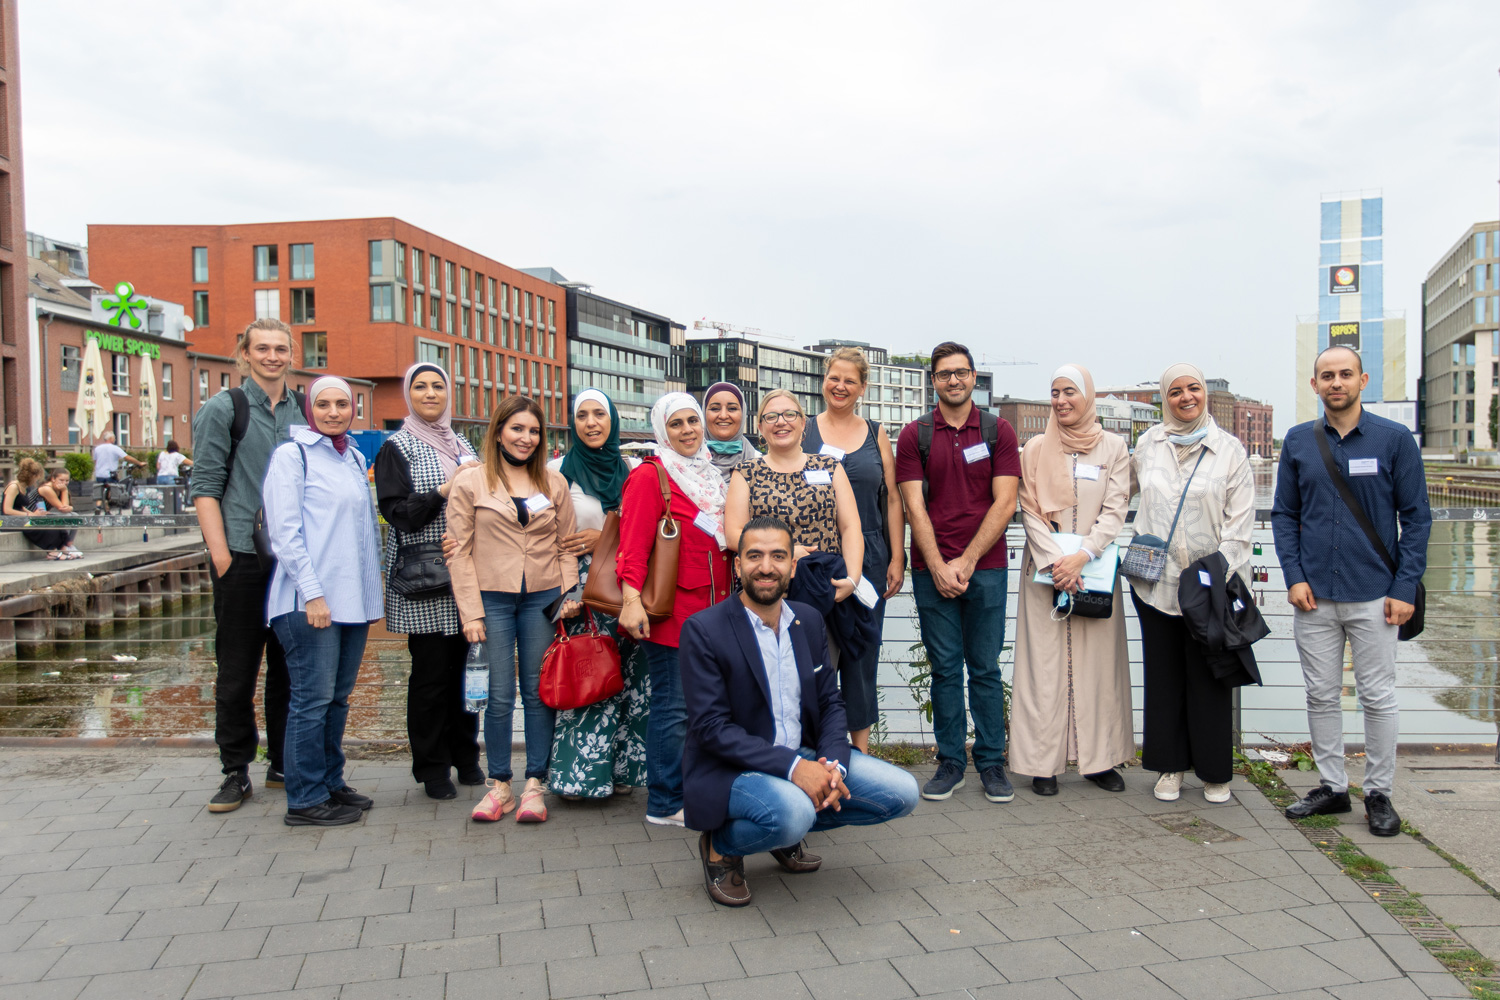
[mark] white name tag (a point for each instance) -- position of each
(976, 453)
(865, 594)
(1238, 605)
(538, 503)
(706, 524)
(1086, 472)
(1204, 578)
(1364, 466)
(818, 477)
(837, 453)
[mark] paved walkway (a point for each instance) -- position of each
(116, 883)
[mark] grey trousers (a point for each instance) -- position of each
(1320, 636)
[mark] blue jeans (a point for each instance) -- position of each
(517, 632)
(322, 664)
(969, 628)
(166, 480)
(767, 813)
(666, 731)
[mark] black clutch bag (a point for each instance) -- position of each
(1084, 604)
(420, 571)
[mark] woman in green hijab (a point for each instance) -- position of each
(599, 750)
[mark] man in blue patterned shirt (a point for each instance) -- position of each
(1338, 582)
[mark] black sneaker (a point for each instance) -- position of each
(1319, 802)
(274, 778)
(349, 797)
(996, 785)
(234, 790)
(949, 779)
(1381, 815)
(330, 813)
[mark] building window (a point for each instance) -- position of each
(72, 426)
(463, 282)
(434, 307)
(551, 304)
(400, 259)
(119, 374)
(303, 310)
(416, 265)
(200, 264)
(448, 282)
(433, 353)
(200, 308)
(302, 261)
(359, 406)
(433, 263)
(377, 265)
(265, 264)
(463, 318)
(166, 381)
(71, 364)
(417, 305)
(448, 317)
(268, 303)
(223, 381)
(315, 350)
(382, 303)
(202, 386)
(122, 430)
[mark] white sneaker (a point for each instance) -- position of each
(673, 820)
(1216, 791)
(1169, 786)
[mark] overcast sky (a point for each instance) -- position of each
(1123, 186)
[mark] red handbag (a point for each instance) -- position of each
(580, 670)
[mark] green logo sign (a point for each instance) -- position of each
(124, 345)
(124, 305)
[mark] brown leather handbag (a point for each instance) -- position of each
(602, 590)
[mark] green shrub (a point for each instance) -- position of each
(80, 465)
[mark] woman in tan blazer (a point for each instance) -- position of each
(507, 518)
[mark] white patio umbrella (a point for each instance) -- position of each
(94, 405)
(148, 402)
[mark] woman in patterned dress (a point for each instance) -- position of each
(413, 473)
(1072, 681)
(811, 493)
(599, 750)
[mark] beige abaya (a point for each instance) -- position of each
(1071, 694)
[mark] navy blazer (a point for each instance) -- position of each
(730, 728)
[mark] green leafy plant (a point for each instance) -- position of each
(1303, 760)
(80, 465)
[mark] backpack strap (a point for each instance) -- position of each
(924, 438)
(241, 423)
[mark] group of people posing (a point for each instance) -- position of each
(747, 704)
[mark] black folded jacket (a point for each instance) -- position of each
(851, 624)
(1220, 614)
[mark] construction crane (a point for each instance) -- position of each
(726, 328)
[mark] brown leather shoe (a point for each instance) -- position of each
(796, 859)
(724, 879)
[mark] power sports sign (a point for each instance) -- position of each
(125, 345)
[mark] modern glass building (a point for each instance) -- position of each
(1351, 301)
(1461, 345)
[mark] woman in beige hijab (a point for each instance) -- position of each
(1071, 695)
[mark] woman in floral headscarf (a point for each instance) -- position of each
(697, 494)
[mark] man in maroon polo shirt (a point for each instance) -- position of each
(958, 469)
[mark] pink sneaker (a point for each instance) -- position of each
(498, 801)
(533, 803)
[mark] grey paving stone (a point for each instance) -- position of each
(57, 905)
(833, 882)
(1271, 929)
(159, 873)
(1439, 984)
(1046, 887)
(958, 930)
(861, 981)
(367, 902)
(1190, 903)
(507, 915)
(1466, 911)
(422, 872)
(967, 897)
(452, 895)
(861, 944)
(1209, 978)
(272, 912)
(899, 875)
(1023, 923)
(723, 924)
(710, 962)
(1041, 959)
(150, 984)
(430, 987)
(597, 880)
(622, 936)
(792, 952)
(1288, 969)
(1109, 913)
(157, 897)
(552, 944)
(1372, 917)
(1190, 939)
(261, 975)
(323, 935)
(1407, 954)
(53, 989)
(109, 956)
(878, 907)
(1135, 983)
(1331, 919)
(787, 986)
(81, 930)
(522, 982)
(1390, 989)
(353, 965)
(1116, 949)
(47, 883)
(403, 928)
(579, 977)
(1108, 880)
(502, 865)
(1036, 989)
(425, 958)
(565, 911)
(946, 971)
(1360, 959)
(221, 946)
(546, 885)
(1250, 897)
(813, 915)
(28, 966)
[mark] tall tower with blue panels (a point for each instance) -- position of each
(1351, 302)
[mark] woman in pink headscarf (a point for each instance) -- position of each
(1071, 694)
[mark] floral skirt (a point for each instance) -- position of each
(603, 745)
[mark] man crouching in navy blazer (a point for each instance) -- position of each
(767, 756)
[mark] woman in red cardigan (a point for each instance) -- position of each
(703, 575)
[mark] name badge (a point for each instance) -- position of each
(1204, 578)
(1086, 472)
(976, 453)
(818, 477)
(706, 524)
(837, 453)
(1364, 466)
(538, 503)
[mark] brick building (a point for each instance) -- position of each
(366, 297)
(1252, 425)
(19, 408)
(1027, 416)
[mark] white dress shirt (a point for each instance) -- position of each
(780, 661)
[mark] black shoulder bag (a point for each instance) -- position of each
(1416, 622)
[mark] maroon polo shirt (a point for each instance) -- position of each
(959, 492)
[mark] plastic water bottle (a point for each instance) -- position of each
(476, 679)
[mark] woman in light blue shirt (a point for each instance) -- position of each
(324, 593)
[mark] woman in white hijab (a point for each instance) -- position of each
(1187, 460)
(696, 492)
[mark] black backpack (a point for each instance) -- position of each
(989, 432)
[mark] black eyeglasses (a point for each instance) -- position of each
(953, 374)
(777, 416)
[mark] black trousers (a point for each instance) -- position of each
(1189, 714)
(441, 733)
(241, 637)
